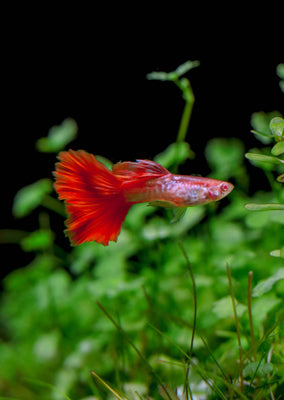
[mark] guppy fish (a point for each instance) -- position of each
(98, 199)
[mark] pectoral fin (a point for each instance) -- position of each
(164, 204)
(177, 212)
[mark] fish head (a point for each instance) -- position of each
(218, 190)
(191, 191)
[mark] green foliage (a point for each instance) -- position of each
(280, 73)
(277, 129)
(267, 284)
(58, 137)
(184, 85)
(37, 240)
(225, 158)
(127, 312)
(174, 75)
(176, 153)
(274, 130)
(30, 197)
(255, 369)
(260, 123)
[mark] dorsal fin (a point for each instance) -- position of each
(138, 170)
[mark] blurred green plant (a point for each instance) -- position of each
(179, 151)
(128, 313)
(58, 137)
(273, 133)
(280, 73)
(184, 85)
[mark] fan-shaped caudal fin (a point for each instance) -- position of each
(93, 197)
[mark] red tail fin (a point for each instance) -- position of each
(93, 196)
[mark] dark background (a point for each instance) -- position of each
(92, 66)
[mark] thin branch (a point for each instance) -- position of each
(250, 314)
(187, 386)
(237, 327)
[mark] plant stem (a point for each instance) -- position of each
(12, 235)
(194, 295)
(188, 95)
(114, 392)
(53, 204)
(250, 314)
(214, 359)
(187, 386)
(237, 326)
(126, 337)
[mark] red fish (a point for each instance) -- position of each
(98, 199)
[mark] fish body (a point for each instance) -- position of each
(98, 200)
(178, 191)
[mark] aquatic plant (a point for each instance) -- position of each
(190, 308)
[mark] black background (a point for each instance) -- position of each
(91, 65)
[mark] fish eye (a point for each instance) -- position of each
(224, 187)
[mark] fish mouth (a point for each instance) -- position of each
(230, 187)
(219, 192)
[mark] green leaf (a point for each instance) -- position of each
(58, 137)
(278, 148)
(264, 206)
(255, 369)
(263, 137)
(266, 285)
(260, 123)
(187, 66)
(30, 197)
(175, 153)
(107, 163)
(38, 240)
(263, 158)
(224, 155)
(280, 70)
(173, 75)
(277, 127)
(263, 307)
(280, 178)
(158, 76)
(278, 253)
(223, 308)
